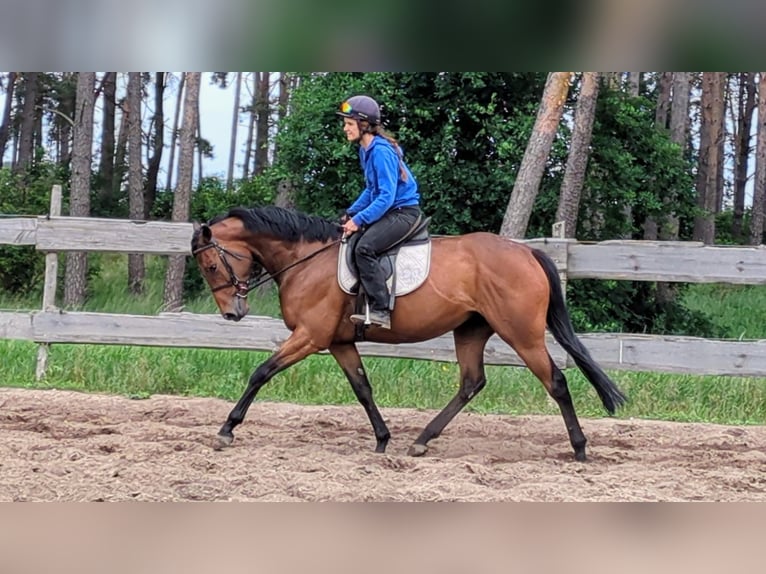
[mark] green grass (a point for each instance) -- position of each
(739, 309)
(143, 371)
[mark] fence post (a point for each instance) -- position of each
(49, 289)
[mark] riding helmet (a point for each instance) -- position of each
(361, 108)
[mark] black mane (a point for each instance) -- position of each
(284, 223)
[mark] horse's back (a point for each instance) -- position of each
(483, 265)
(489, 252)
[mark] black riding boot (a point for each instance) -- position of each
(374, 283)
(375, 240)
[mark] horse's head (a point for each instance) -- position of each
(227, 265)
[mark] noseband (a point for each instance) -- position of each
(242, 287)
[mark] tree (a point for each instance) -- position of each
(5, 123)
(136, 268)
(745, 107)
(574, 176)
(533, 164)
(710, 160)
(661, 116)
(759, 187)
(234, 128)
(29, 114)
(665, 85)
(75, 276)
(108, 192)
(250, 128)
(263, 112)
(679, 134)
(174, 131)
(121, 149)
(173, 294)
(158, 141)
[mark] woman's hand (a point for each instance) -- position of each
(349, 228)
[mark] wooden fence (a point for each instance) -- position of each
(623, 260)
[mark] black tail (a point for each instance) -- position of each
(560, 326)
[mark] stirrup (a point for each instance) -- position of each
(381, 319)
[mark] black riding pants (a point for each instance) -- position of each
(375, 240)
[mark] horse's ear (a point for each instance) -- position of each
(205, 233)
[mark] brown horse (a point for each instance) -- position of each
(478, 284)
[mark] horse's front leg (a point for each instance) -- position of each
(349, 360)
(296, 348)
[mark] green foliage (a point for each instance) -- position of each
(632, 307)
(463, 135)
(21, 267)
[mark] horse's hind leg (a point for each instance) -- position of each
(349, 360)
(541, 364)
(470, 339)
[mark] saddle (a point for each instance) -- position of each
(405, 263)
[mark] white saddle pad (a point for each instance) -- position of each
(412, 265)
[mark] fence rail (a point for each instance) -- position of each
(672, 261)
(623, 260)
(687, 355)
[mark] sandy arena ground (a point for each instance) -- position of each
(68, 446)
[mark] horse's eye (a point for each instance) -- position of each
(212, 268)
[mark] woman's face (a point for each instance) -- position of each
(351, 129)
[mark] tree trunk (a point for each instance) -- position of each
(283, 101)
(28, 121)
(679, 133)
(579, 151)
(174, 132)
(746, 105)
(198, 141)
(613, 80)
(234, 126)
(173, 295)
(158, 125)
(250, 130)
(75, 277)
(120, 152)
(679, 110)
(634, 84)
(106, 163)
(263, 111)
(661, 114)
(711, 132)
(67, 107)
(759, 186)
(136, 268)
(662, 111)
(532, 166)
(5, 124)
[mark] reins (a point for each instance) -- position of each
(244, 287)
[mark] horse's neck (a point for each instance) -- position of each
(279, 254)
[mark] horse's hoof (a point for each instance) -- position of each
(222, 441)
(417, 449)
(580, 456)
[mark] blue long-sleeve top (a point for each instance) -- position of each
(385, 189)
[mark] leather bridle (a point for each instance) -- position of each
(244, 287)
